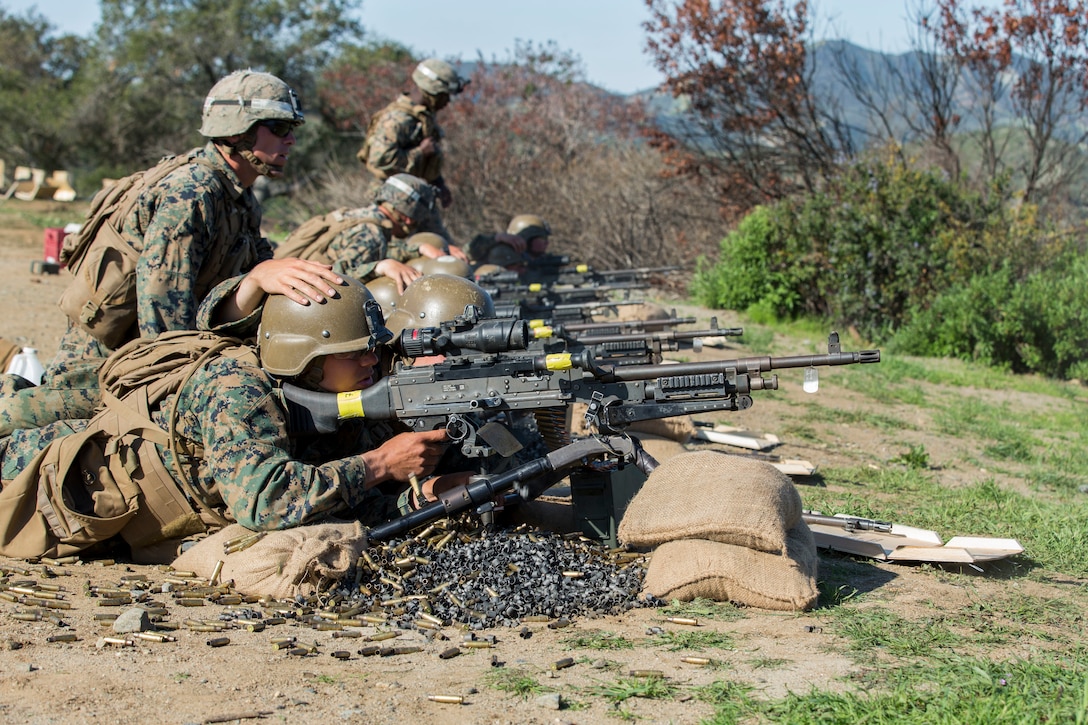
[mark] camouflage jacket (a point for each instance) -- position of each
(393, 139)
(355, 251)
(266, 476)
(189, 217)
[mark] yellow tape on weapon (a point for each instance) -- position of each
(350, 404)
(558, 361)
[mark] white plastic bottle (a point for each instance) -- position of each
(27, 365)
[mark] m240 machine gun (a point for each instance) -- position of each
(458, 392)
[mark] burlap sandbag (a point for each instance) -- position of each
(692, 568)
(627, 313)
(8, 351)
(679, 428)
(712, 495)
(662, 449)
(283, 563)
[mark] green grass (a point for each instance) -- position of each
(704, 609)
(515, 681)
(651, 688)
(694, 641)
(598, 640)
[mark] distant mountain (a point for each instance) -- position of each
(877, 72)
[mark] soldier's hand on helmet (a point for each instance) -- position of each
(511, 240)
(457, 252)
(405, 455)
(399, 272)
(301, 280)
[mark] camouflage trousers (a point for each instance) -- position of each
(68, 391)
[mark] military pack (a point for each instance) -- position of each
(110, 478)
(102, 257)
(312, 238)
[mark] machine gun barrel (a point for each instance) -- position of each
(647, 325)
(748, 366)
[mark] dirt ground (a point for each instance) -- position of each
(188, 681)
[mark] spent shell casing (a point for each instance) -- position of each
(347, 633)
(563, 663)
(134, 577)
(299, 651)
(559, 623)
(701, 661)
(8, 596)
(214, 579)
(536, 618)
(105, 616)
(328, 626)
(49, 603)
(205, 628)
(380, 636)
(447, 699)
(66, 637)
(189, 602)
(273, 621)
(253, 626)
(646, 673)
(351, 623)
(689, 621)
(61, 561)
(369, 651)
(282, 645)
(426, 624)
(574, 574)
(406, 650)
(27, 616)
(476, 644)
(342, 654)
(118, 641)
(218, 642)
(155, 637)
(375, 618)
(448, 654)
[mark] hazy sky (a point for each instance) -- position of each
(607, 34)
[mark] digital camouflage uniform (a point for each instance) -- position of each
(198, 215)
(357, 250)
(392, 147)
(253, 468)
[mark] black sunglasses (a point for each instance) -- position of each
(279, 128)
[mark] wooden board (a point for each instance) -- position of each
(906, 543)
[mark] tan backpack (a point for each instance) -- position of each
(312, 238)
(101, 298)
(110, 478)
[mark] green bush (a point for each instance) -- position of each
(881, 241)
(1037, 325)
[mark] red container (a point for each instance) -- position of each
(54, 240)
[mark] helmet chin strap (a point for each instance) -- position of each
(244, 148)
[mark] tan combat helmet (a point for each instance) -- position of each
(529, 226)
(429, 301)
(446, 264)
(410, 195)
(385, 292)
(435, 240)
(292, 335)
(244, 98)
(436, 76)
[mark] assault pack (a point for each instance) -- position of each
(102, 258)
(312, 238)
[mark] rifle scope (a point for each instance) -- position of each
(493, 335)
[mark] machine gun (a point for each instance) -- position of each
(457, 393)
(468, 334)
(557, 313)
(578, 275)
(481, 491)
